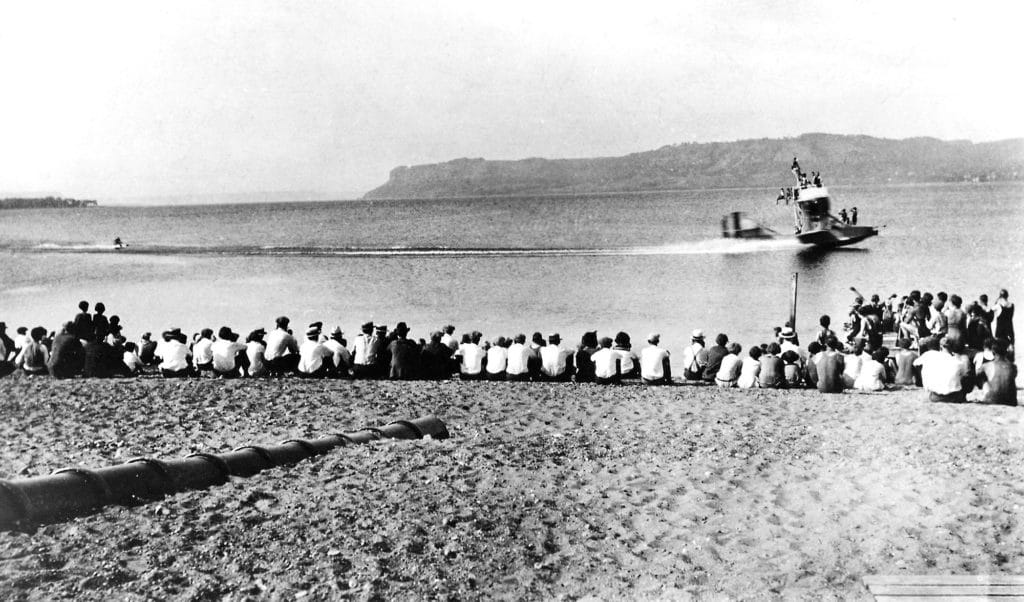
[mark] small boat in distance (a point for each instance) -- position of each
(816, 226)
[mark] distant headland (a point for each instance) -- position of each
(764, 162)
(49, 202)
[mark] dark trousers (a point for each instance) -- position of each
(286, 364)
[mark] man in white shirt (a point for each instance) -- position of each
(517, 366)
(362, 361)
(228, 354)
(473, 356)
(282, 352)
(787, 336)
(555, 360)
(340, 356)
(254, 348)
(175, 355)
(655, 368)
(202, 351)
(448, 338)
(497, 359)
(695, 357)
(314, 357)
(942, 373)
(607, 364)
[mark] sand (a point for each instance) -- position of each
(544, 491)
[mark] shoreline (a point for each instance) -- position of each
(544, 490)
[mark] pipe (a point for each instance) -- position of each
(77, 491)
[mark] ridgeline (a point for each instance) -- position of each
(50, 202)
(745, 163)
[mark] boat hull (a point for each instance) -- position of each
(837, 236)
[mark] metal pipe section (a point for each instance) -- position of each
(77, 491)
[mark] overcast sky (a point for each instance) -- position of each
(112, 100)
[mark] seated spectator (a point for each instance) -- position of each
(655, 367)
(255, 354)
(810, 370)
(314, 358)
(695, 357)
(998, 378)
(497, 359)
(405, 355)
(773, 375)
(607, 364)
(555, 360)
(435, 358)
(98, 355)
(473, 358)
(517, 364)
(906, 374)
(630, 363)
(202, 352)
(176, 359)
(341, 358)
(872, 373)
(534, 362)
(131, 360)
(583, 359)
(229, 356)
(750, 371)
(33, 357)
(715, 353)
(852, 363)
(67, 357)
(281, 353)
(942, 373)
(147, 353)
(732, 364)
(830, 368)
(792, 368)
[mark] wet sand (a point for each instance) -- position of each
(544, 491)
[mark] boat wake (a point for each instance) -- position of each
(702, 247)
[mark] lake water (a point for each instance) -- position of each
(634, 262)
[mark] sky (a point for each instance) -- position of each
(144, 101)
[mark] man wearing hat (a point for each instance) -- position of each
(229, 357)
(314, 358)
(254, 353)
(379, 351)
(362, 362)
(340, 356)
(788, 341)
(695, 356)
(555, 360)
(405, 355)
(655, 368)
(282, 352)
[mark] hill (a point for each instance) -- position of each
(746, 163)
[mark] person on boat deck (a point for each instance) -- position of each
(817, 180)
(843, 217)
(853, 216)
(782, 196)
(997, 378)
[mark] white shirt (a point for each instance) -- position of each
(730, 369)
(750, 370)
(690, 357)
(132, 360)
(518, 354)
(361, 349)
(497, 359)
(175, 356)
(786, 345)
(449, 341)
(254, 351)
(278, 342)
(223, 353)
(202, 351)
(626, 357)
(604, 362)
(940, 372)
(652, 360)
(472, 358)
(339, 354)
(552, 359)
(311, 356)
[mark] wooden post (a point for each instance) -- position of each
(792, 303)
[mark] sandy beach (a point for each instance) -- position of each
(544, 491)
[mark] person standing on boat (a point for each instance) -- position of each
(782, 196)
(853, 216)
(795, 168)
(843, 217)
(817, 180)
